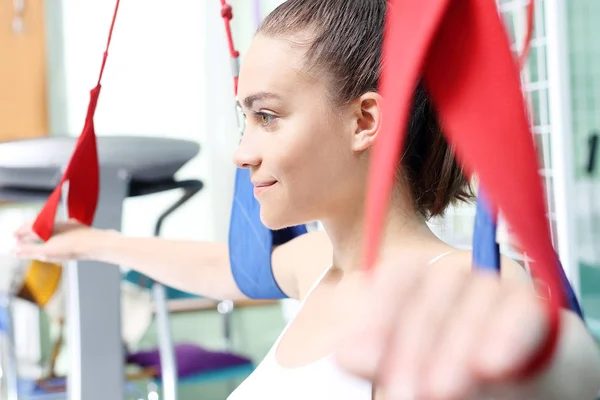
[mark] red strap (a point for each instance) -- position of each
(82, 171)
(460, 49)
(227, 14)
(110, 33)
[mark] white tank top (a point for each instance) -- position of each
(319, 380)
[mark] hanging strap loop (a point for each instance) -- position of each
(82, 171)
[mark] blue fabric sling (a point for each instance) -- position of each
(251, 243)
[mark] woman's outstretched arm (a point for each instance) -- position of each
(200, 268)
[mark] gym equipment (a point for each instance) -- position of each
(129, 167)
(458, 48)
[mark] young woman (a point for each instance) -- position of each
(424, 326)
(308, 86)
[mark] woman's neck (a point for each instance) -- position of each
(403, 233)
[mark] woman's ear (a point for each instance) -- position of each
(368, 121)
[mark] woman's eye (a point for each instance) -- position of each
(265, 118)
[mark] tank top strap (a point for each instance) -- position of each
(273, 349)
(439, 257)
(316, 283)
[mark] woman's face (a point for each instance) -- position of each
(301, 149)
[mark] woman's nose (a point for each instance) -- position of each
(246, 155)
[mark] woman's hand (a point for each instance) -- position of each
(70, 240)
(439, 331)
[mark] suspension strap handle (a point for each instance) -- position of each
(82, 171)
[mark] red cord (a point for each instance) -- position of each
(110, 33)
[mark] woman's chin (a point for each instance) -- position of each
(276, 221)
(273, 224)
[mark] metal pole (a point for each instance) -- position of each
(93, 289)
(168, 362)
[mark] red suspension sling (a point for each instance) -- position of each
(82, 172)
(460, 49)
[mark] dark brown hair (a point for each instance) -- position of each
(343, 39)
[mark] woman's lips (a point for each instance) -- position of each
(261, 187)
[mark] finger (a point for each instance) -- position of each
(24, 228)
(39, 252)
(418, 329)
(361, 349)
(513, 336)
(450, 373)
(26, 233)
(28, 250)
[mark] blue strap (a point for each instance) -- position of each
(486, 250)
(251, 243)
(570, 296)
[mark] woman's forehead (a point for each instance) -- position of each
(272, 65)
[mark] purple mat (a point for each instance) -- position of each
(190, 359)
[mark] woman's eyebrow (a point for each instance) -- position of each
(249, 100)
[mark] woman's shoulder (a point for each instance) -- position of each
(510, 269)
